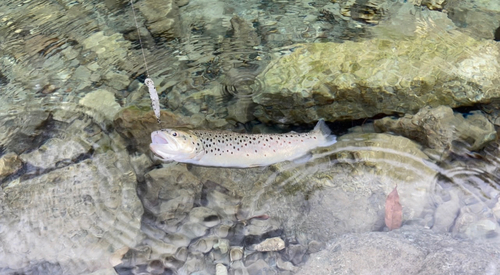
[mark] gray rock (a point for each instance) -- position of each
(315, 246)
(475, 222)
(287, 266)
(222, 245)
(181, 3)
(224, 204)
(271, 244)
(54, 151)
(337, 81)
(176, 209)
(196, 263)
(9, 164)
(409, 250)
(295, 253)
(170, 194)
(260, 227)
(193, 230)
(162, 17)
(446, 214)
(442, 130)
(102, 101)
(75, 216)
(477, 18)
(203, 245)
(220, 269)
(260, 267)
(236, 253)
(238, 268)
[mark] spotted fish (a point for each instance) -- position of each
(227, 149)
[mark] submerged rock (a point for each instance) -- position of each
(354, 80)
(272, 244)
(162, 17)
(76, 217)
(103, 101)
(478, 18)
(419, 251)
(55, 151)
(9, 164)
(442, 130)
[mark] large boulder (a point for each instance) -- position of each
(354, 80)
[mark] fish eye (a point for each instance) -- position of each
(174, 134)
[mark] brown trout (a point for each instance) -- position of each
(227, 149)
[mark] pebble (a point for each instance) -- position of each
(102, 101)
(203, 245)
(236, 253)
(205, 216)
(9, 164)
(287, 266)
(220, 269)
(222, 245)
(272, 244)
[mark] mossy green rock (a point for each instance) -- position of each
(354, 80)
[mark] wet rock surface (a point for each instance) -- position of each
(73, 202)
(338, 81)
(478, 18)
(409, 250)
(443, 130)
(80, 193)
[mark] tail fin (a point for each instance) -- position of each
(322, 128)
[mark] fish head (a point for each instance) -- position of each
(175, 145)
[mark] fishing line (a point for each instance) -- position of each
(153, 94)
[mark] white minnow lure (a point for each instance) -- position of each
(153, 94)
(228, 149)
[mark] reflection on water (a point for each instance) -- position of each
(80, 192)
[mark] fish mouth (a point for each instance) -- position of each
(158, 138)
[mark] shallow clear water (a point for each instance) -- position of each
(82, 193)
